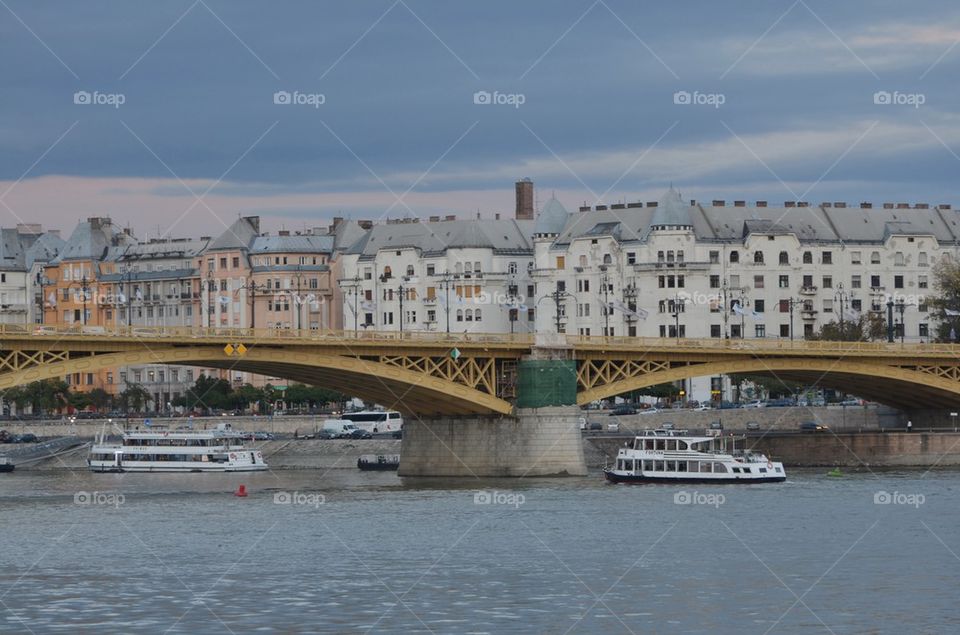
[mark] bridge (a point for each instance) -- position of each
(431, 374)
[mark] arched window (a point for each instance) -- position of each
(808, 257)
(734, 256)
(922, 259)
(410, 270)
(387, 272)
(583, 260)
(477, 315)
(898, 259)
(458, 268)
(469, 315)
(875, 258)
(607, 259)
(459, 315)
(758, 257)
(784, 258)
(512, 268)
(476, 267)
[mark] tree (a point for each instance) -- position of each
(135, 397)
(869, 327)
(946, 284)
(100, 399)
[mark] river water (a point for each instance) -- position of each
(351, 552)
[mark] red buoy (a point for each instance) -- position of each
(241, 491)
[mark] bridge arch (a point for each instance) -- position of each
(406, 390)
(887, 383)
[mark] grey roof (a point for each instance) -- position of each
(671, 211)
(510, 236)
(136, 276)
(346, 234)
(239, 235)
(178, 248)
(292, 244)
(552, 218)
(12, 250)
(91, 240)
(724, 223)
(44, 249)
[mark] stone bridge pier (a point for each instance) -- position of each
(540, 438)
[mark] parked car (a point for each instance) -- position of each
(596, 426)
(779, 403)
(703, 408)
(812, 426)
(650, 411)
(623, 410)
(667, 425)
(756, 403)
(327, 434)
(24, 438)
(716, 425)
(359, 433)
(613, 427)
(753, 425)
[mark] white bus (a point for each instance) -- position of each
(375, 421)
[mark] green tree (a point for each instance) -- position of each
(869, 327)
(100, 399)
(946, 285)
(135, 397)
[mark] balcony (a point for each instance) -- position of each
(808, 290)
(671, 266)
(430, 301)
(808, 314)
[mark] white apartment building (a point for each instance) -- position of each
(457, 276)
(24, 250)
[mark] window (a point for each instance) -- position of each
(758, 282)
(827, 258)
(714, 257)
(898, 259)
(855, 257)
(784, 282)
(875, 258)
(875, 282)
(784, 330)
(758, 258)
(734, 256)
(236, 262)
(784, 258)
(714, 330)
(856, 305)
(784, 306)
(828, 306)
(898, 282)
(828, 282)
(512, 268)
(808, 258)
(631, 257)
(714, 281)
(922, 282)
(561, 262)
(855, 282)
(759, 306)
(922, 259)
(807, 281)
(410, 270)
(924, 330)
(760, 330)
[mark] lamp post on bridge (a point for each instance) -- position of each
(353, 284)
(842, 296)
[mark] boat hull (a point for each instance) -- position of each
(183, 468)
(7, 467)
(614, 477)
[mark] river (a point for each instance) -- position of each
(349, 552)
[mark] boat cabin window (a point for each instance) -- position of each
(763, 470)
(693, 466)
(779, 470)
(648, 466)
(706, 467)
(658, 466)
(719, 468)
(661, 444)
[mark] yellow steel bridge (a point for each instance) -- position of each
(437, 373)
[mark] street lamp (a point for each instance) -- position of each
(42, 280)
(354, 286)
(678, 304)
(252, 286)
(557, 296)
(841, 296)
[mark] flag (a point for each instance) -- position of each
(52, 299)
(122, 299)
(224, 300)
(138, 294)
(951, 312)
(738, 309)
(368, 305)
(617, 305)
(756, 316)
(851, 314)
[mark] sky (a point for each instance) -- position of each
(174, 118)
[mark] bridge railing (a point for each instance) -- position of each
(248, 335)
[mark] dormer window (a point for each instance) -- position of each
(734, 256)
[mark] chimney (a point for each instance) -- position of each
(283, 232)
(903, 205)
(450, 217)
(826, 204)
(524, 191)
(944, 206)
(719, 203)
(888, 206)
(922, 206)
(365, 224)
(789, 203)
(94, 222)
(336, 223)
(840, 204)
(866, 205)
(739, 203)
(496, 216)
(584, 208)
(761, 203)
(434, 219)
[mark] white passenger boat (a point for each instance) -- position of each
(673, 456)
(162, 450)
